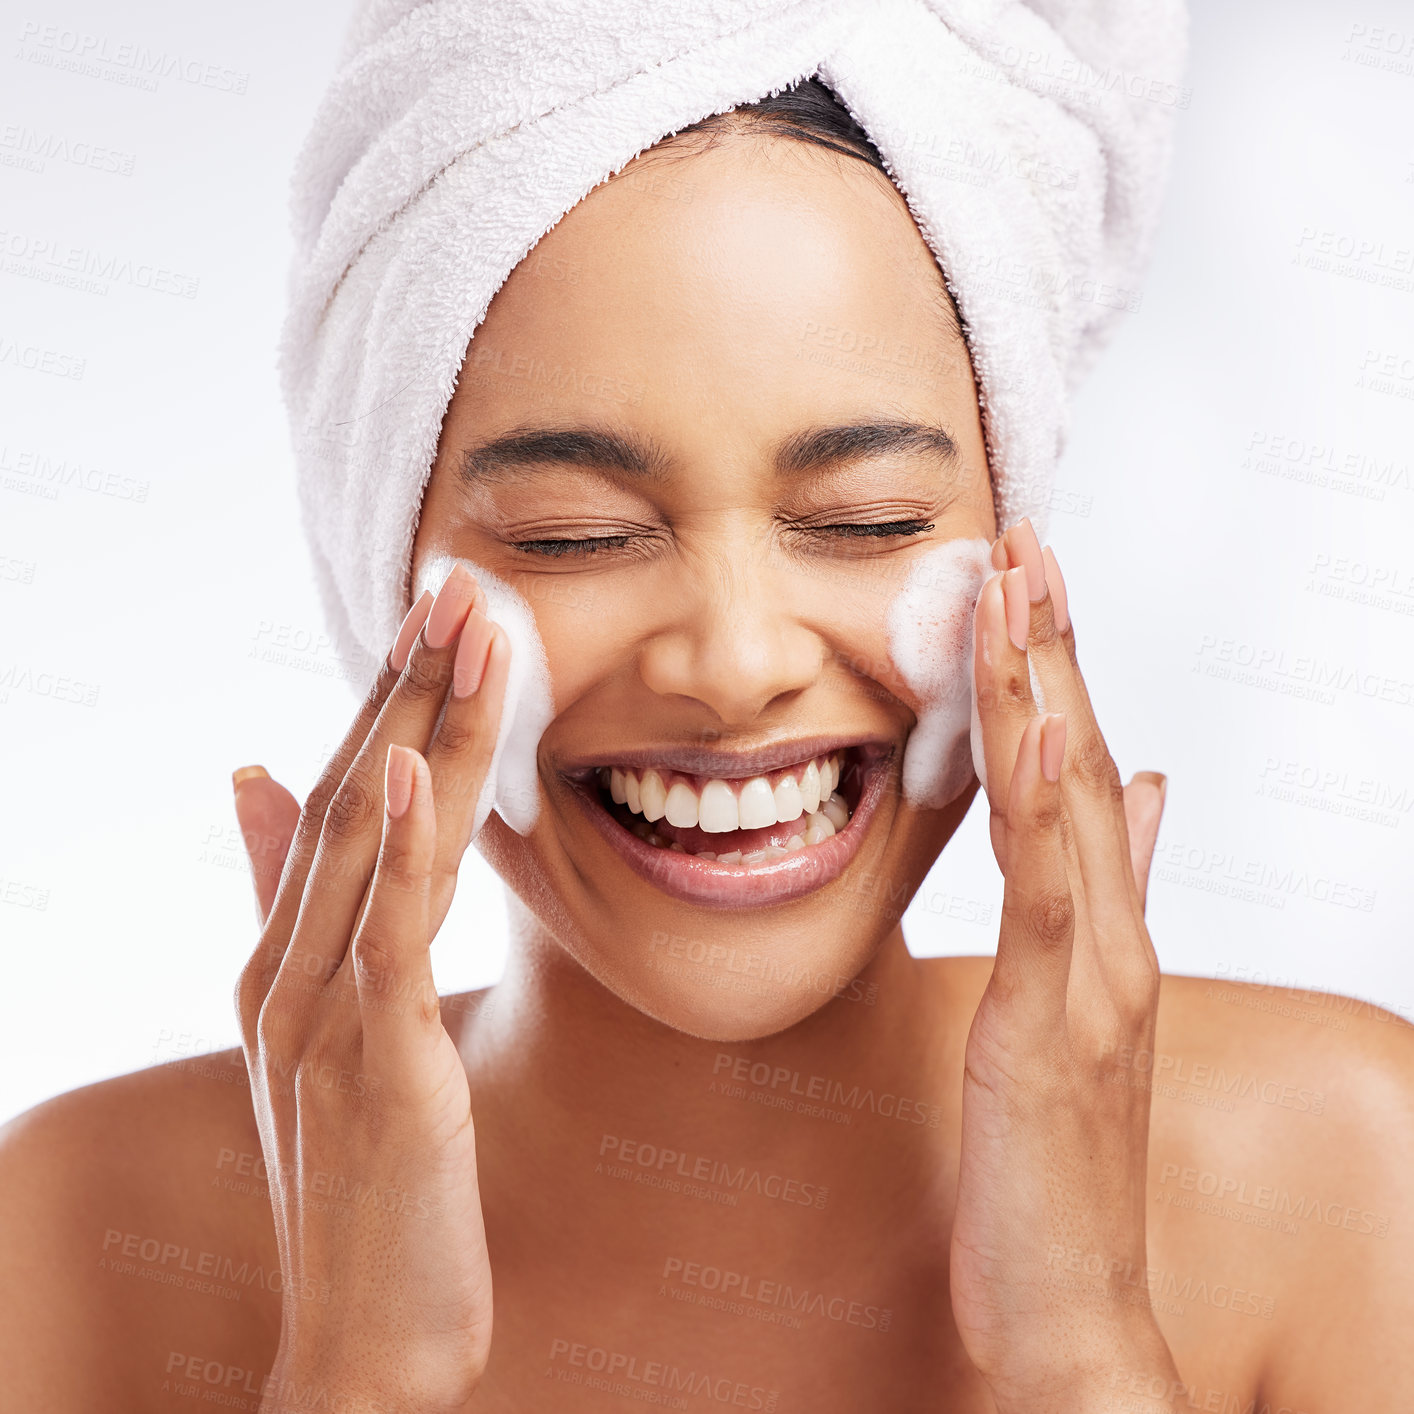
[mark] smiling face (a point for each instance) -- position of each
(709, 430)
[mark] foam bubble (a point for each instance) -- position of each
(930, 637)
(929, 631)
(512, 783)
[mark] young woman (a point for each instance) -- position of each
(716, 1140)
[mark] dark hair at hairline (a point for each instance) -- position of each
(809, 111)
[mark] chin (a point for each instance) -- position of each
(704, 969)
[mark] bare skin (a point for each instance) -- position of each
(1293, 1295)
(172, 1153)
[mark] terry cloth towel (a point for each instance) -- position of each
(1028, 139)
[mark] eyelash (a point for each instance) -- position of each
(593, 544)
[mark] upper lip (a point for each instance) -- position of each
(698, 760)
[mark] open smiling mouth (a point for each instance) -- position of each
(733, 842)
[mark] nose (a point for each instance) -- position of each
(732, 643)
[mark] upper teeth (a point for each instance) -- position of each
(722, 805)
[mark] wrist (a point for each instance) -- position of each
(299, 1384)
(1126, 1370)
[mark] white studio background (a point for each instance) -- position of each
(1234, 515)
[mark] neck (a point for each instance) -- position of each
(597, 1101)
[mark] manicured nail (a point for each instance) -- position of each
(397, 781)
(1018, 607)
(248, 773)
(1052, 745)
(472, 653)
(411, 627)
(1025, 550)
(450, 608)
(1060, 609)
(1155, 778)
(999, 554)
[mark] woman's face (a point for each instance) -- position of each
(691, 332)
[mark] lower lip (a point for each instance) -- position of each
(712, 885)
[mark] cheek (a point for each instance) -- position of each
(929, 633)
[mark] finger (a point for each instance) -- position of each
(263, 966)
(1003, 685)
(349, 837)
(1091, 784)
(267, 814)
(398, 1008)
(1055, 586)
(1037, 932)
(1143, 808)
(1060, 604)
(460, 755)
(457, 760)
(280, 919)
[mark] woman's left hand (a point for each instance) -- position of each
(1048, 1262)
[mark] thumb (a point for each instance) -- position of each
(267, 814)
(1143, 808)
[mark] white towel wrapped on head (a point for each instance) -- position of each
(1029, 140)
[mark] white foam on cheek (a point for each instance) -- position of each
(929, 634)
(512, 784)
(931, 640)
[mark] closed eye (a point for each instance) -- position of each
(596, 544)
(591, 546)
(883, 527)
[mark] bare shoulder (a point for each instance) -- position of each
(137, 1238)
(1282, 1136)
(1279, 1204)
(1319, 1083)
(140, 1268)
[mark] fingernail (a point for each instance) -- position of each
(1018, 608)
(999, 554)
(397, 781)
(411, 627)
(1156, 778)
(472, 652)
(248, 773)
(1026, 551)
(1060, 609)
(1052, 745)
(449, 609)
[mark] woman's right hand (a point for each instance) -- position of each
(359, 1092)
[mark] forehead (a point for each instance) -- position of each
(731, 263)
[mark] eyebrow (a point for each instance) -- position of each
(638, 457)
